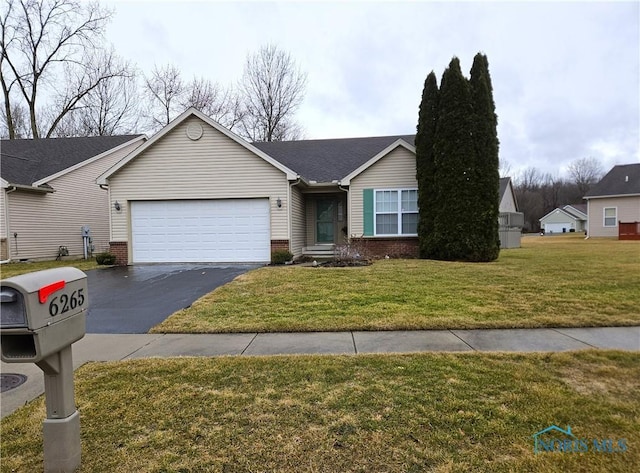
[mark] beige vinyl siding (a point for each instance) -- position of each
(4, 241)
(396, 170)
(628, 210)
(3, 214)
(310, 211)
(298, 228)
(44, 222)
(213, 167)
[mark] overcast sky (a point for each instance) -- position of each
(566, 76)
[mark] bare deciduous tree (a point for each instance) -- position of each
(585, 172)
(111, 108)
(169, 95)
(223, 105)
(46, 42)
(272, 88)
(505, 168)
(165, 90)
(18, 117)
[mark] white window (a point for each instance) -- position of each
(610, 216)
(396, 212)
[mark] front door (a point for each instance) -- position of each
(325, 221)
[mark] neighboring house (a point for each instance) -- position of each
(196, 192)
(48, 193)
(511, 221)
(614, 200)
(570, 218)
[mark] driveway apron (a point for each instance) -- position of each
(133, 299)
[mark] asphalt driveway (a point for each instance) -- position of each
(133, 299)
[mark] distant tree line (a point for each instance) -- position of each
(539, 193)
(58, 79)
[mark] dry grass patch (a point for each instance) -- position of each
(14, 269)
(401, 413)
(550, 282)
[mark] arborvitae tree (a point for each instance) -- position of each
(425, 167)
(454, 155)
(486, 163)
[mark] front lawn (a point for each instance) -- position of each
(391, 413)
(14, 269)
(563, 281)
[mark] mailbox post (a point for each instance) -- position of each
(41, 315)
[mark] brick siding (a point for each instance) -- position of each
(121, 251)
(393, 247)
(279, 245)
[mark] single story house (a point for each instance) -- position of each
(48, 193)
(614, 200)
(570, 218)
(197, 192)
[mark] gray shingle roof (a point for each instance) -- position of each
(27, 161)
(328, 160)
(579, 207)
(504, 182)
(621, 180)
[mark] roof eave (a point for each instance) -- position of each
(587, 197)
(42, 189)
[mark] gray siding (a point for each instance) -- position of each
(395, 170)
(213, 167)
(508, 204)
(44, 222)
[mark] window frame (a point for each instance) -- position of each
(398, 211)
(604, 217)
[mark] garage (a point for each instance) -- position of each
(199, 231)
(556, 227)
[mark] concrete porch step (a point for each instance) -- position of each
(319, 251)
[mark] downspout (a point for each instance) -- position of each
(10, 189)
(105, 187)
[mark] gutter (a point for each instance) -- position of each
(44, 189)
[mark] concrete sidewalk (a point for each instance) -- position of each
(114, 347)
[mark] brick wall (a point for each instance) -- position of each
(279, 245)
(121, 251)
(393, 247)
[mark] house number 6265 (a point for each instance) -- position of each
(66, 302)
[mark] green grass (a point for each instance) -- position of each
(392, 413)
(563, 281)
(14, 269)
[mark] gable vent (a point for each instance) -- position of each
(194, 131)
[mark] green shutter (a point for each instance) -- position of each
(367, 204)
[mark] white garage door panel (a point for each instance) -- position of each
(556, 227)
(219, 231)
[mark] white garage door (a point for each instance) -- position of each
(219, 231)
(556, 227)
